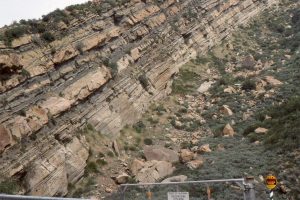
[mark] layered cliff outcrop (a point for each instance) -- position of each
(105, 71)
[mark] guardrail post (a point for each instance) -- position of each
(122, 192)
(249, 192)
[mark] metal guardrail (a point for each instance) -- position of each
(20, 197)
(247, 185)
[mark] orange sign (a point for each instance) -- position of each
(271, 182)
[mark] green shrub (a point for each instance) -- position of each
(25, 73)
(48, 37)
(57, 16)
(110, 154)
(226, 80)
(90, 127)
(80, 46)
(92, 167)
(248, 85)
(139, 127)
(148, 141)
(101, 162)
(14, 33)
(284, 125)
(112, 65)
(144, 81)
(133, 148)
(9, 187)
(160, 109)
(187, 82)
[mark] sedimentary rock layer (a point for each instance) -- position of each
(104, 72)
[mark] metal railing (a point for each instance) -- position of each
(20, 197)
(246, 185)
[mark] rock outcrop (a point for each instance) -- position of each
(91, 75)
(160, 153)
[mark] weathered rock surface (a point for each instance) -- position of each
(204, 148)
(160, 153)
(122, 178)
(228, 130)
(226, 110)
(186, 155)
(204, 87)
(46, 95)
(153, 171)
(195, 164)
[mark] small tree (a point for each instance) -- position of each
(48, 37)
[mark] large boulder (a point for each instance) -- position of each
(122, 178)
(154, 171)
(160, 153)
(136, 165)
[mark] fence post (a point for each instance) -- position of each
(122, 192)
(249, 192)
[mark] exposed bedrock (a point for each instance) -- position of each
(105, 73)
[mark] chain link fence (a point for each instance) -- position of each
(226, 189)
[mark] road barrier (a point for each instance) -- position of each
(19, 197)
(168, 190)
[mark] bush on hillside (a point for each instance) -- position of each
(248, 85)
(48, 37)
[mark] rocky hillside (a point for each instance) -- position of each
(96, 68)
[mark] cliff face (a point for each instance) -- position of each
(105, 72)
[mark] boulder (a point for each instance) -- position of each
(122, 178)
(261, 130)
(154, 171)
(272, 81)
(136, 165)
(180, 178)
(195, 164)
(156, 152)
(204, 148)
(186, 155)
(226, 110)
(228, 130)
(204, 87)
(220, 147)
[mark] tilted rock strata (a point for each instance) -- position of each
(51, 91)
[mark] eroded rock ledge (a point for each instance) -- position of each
(71, 81)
